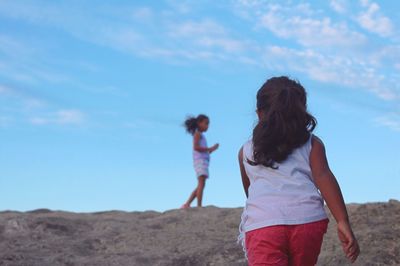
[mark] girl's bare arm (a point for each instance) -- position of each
(245, 178)
(330, 190)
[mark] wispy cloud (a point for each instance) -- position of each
(206, 34)
(275, 35)
(339, 6)
(143, 14)
(26, 63)
(391, 121)
(35, 110)
(327, 51)
(373, 20)
(181, 6)
(330, 69)
(295, 22)
(26, 101)
(60, 117)
(139, 31)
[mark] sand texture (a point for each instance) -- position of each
(197, 236)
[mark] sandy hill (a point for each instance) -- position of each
(197, 236)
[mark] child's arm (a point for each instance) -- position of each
(197, 147)
(213, 148)
(330, 190)
(245, 178)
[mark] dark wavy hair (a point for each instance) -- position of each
(191, 123)
(284, 123)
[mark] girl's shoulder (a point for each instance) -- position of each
(306, 147)
(247, 148)
(317, 143)
(246, 144)
(315, 140)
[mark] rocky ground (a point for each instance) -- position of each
(205, 236)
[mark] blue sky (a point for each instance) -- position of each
(93, 95)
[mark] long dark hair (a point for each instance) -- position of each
(284, 123)
(191, 123)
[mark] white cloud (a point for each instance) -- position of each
(391, 121)
(339, 6)
(322, 47)
(60, 117)
(125, 39)
(143, 14)
(25, 63)
(309, 31)
(35, 110)
(207, 34)
(190, 28)
(372, 20)
(326, 49)
(39, 121)
(158, 35)
(176, 42)
(181, 6)
(342, 70)
(69, 117)
(24, 100)
(227, 44)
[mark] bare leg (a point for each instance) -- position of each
(191, 198)
(200, 188)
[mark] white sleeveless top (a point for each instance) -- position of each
(197, 155)
(283, 196)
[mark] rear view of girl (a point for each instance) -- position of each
(286, 179)
(196, 126)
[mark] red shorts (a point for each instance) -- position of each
(295, 245)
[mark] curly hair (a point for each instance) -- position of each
(284, 122)
(191, 123)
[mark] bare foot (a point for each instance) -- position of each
(185, 206)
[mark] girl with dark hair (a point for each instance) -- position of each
(286, 178)
(196, 126)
